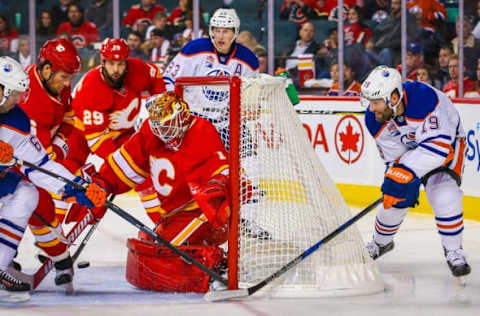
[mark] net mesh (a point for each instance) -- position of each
(288, 201)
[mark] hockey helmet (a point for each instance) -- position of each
(12, 77)
(114, 49)
(61, 54)
(170, 118)
(380, 84)
(227, 18)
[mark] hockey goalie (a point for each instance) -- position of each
(187, 163)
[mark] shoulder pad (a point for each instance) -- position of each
(17, 119)
(198, 46)
(246, 55)
(421, 100)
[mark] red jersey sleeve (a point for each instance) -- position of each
(128, 166)
(144, 77)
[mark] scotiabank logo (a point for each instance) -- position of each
(349, 139)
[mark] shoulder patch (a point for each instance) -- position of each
(17, 119)
(198, 46)
(421, 100)
(247, 56)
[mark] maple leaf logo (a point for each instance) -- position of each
(349, 139)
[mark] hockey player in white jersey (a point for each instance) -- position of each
(419, 135)
(18, 197)
(218, 55)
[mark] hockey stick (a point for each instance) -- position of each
(329, 112)
(132, 220)
(229, 294)
(52, 229)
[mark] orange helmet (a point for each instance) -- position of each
(170, 118)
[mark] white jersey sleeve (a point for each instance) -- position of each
(15, 130)
(200, 58)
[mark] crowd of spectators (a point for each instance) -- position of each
(372, 36)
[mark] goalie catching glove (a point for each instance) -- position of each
(213, 200)
(92, 195)
(400, 187)
(6, 156)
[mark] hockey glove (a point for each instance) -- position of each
(213, 200)
(400, 187)
(92, 196)
(6, 156)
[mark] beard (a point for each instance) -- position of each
(114, 83)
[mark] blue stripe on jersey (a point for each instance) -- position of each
(12, 225)
(7, 243)
(372, 125)
(448, 219)
(421, 100)
(17, 119)
(438, 136)
(436, 151)
(245, 54)
(42, 162)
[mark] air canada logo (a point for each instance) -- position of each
(349, 139)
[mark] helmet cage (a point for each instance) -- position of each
(170, 118)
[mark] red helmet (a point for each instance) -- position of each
(61, 54)
(114, 49)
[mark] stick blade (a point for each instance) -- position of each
(215, 296)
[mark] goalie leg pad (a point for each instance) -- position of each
(154, 267)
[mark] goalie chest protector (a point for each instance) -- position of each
(151, 266)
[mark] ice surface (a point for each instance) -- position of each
(418, 281)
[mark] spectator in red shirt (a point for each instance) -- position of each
(355, 31)
(451, 88)
(81, 32)
(140, 16)
(178, 14)
(8, 37)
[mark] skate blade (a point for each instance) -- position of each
(68, 288)
(14, 297)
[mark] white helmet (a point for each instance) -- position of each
(227, 18)
(12, 77)
(380, 84)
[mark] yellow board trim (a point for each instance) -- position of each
(362, 195)
(283, 190)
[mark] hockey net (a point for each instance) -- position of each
(283, 200)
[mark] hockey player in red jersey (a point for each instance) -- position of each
(107, 101)
(184, 157)
(48, 105)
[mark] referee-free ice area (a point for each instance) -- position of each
(417, 279)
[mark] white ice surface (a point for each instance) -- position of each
(417, 278)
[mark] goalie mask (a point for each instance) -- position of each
(380, 84)
(12, 77)
(170, 118)
(226, 18)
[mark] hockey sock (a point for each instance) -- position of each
(387, 224)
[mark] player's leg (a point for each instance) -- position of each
(387, 223)
(15, 211)
(445, 197)
(47, 240)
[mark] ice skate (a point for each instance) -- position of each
(64, 274)
(457, 263)
(375, 250)
(13, 290)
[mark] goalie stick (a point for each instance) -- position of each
(132, 220)
(229, 294)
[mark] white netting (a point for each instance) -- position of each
(288, 201)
